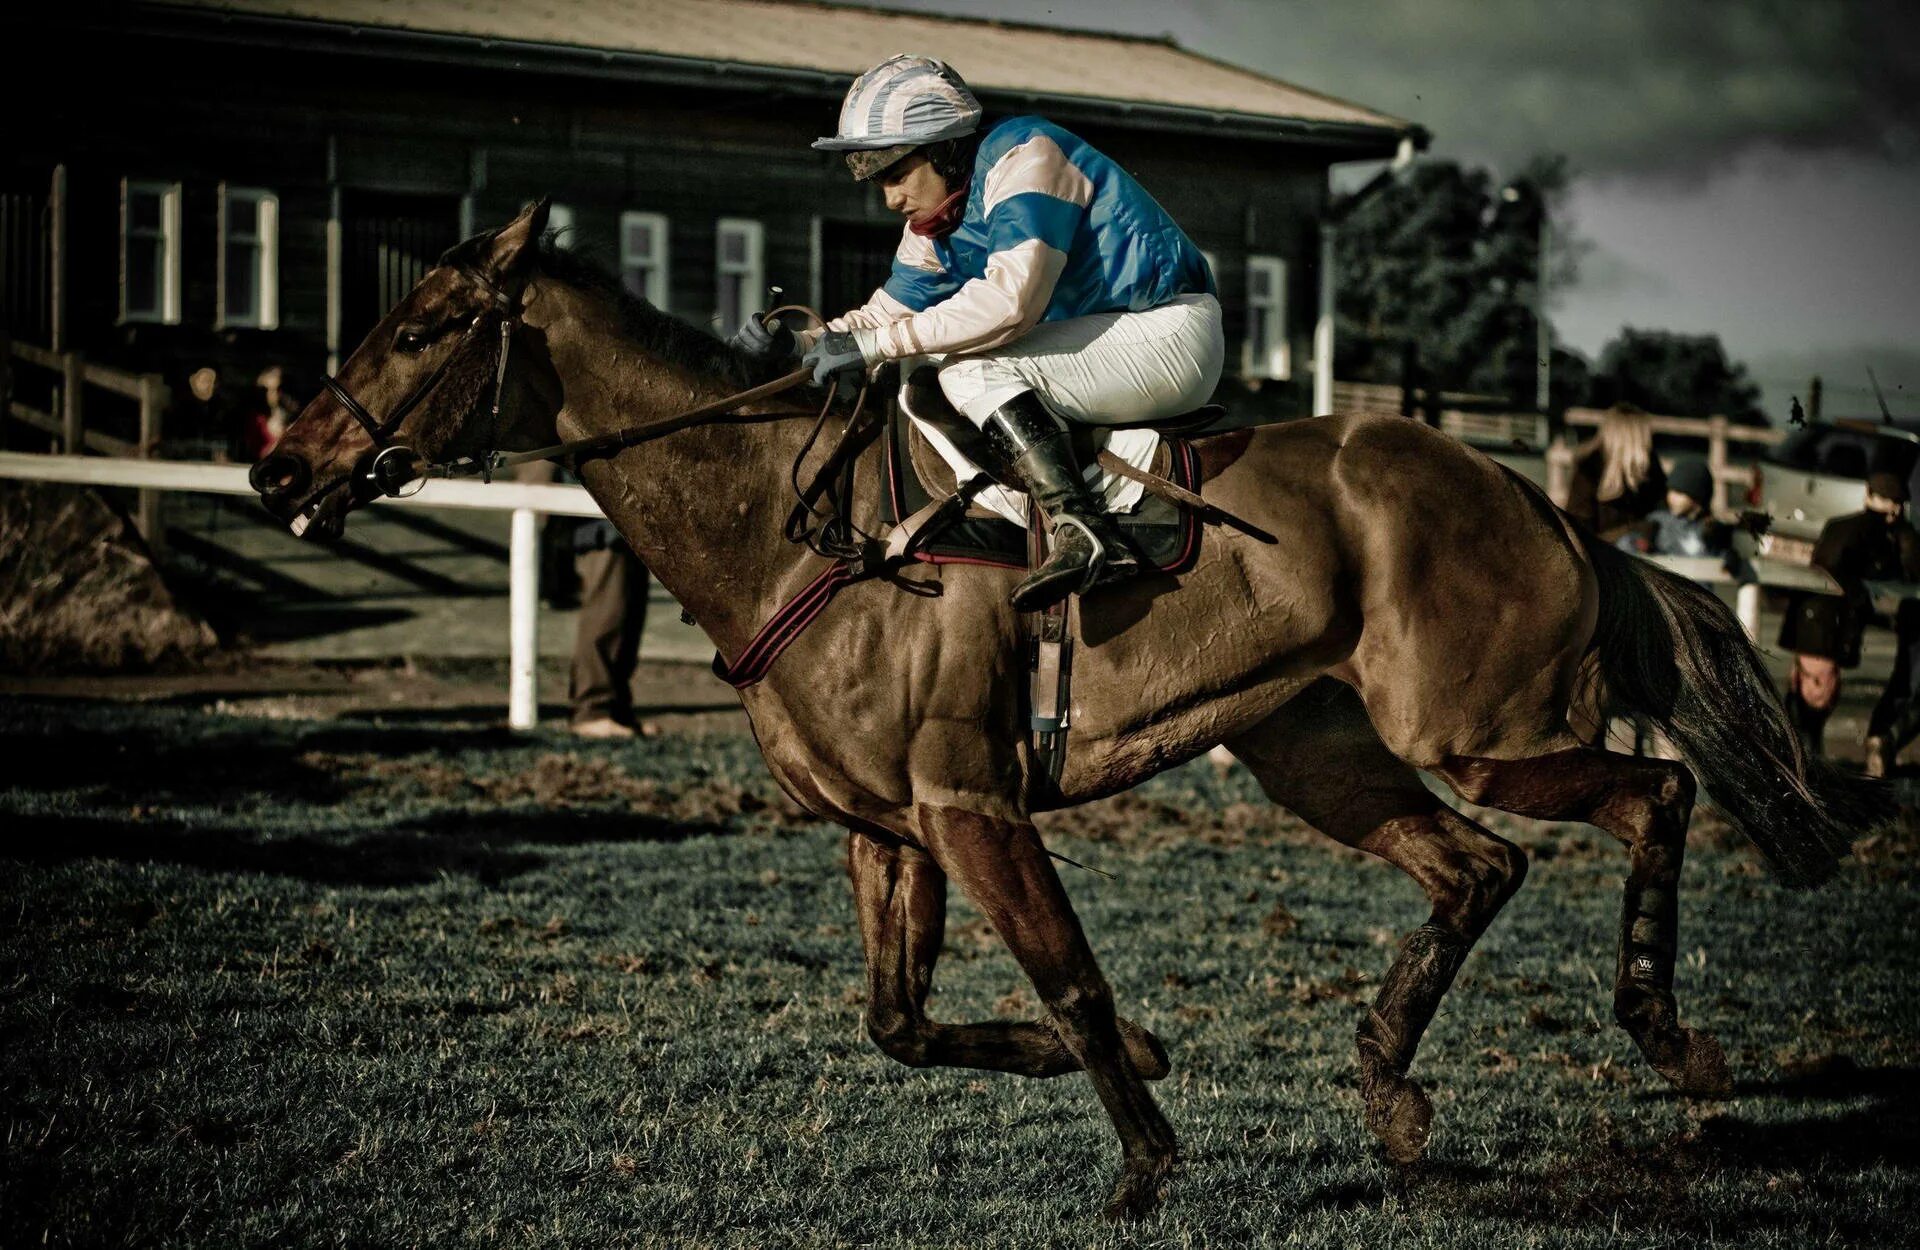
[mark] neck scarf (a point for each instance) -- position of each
(944, 218)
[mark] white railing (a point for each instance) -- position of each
(525, 500)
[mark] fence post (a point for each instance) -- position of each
(153, 402)
(523, 607)
(1717, 459)
(73, 380)
(1746, 605)
(1559, 469)
(6, 386)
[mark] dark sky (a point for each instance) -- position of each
(1750, 168)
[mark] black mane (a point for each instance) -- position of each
(658, 333)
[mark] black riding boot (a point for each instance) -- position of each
(1088, 547)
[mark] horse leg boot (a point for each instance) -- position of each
(1645, 803)
(901, 896)
(1324, 761)
(1004, 870)
(1088, 548)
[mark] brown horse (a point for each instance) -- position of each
(1421, 609)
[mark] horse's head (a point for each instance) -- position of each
(421, 388)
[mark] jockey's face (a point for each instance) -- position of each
(913, 187)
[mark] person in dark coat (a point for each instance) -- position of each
(1617, 480)
(1824, 631)
(1684, 525)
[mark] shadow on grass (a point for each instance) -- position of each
(143, 765)
(487, 847)
(1690, 1182)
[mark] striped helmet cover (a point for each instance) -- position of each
(904, 99)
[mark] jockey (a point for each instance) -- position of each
(1043, 281)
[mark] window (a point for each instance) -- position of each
(560, 224)
(643, 257)
(150, 251)
(1266, 354)
(249, 258)
(739, 272)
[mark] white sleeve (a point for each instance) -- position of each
(986, 312)
(876, 312)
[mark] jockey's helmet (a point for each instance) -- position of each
(901, 104)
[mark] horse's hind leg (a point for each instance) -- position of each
(901, 896)
(1321, 758)
(1645, 803)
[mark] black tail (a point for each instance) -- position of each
(1673, 652)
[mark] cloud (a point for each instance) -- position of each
(1632, 86)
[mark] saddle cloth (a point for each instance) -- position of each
(913, 474)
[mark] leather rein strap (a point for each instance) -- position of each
(718, 412)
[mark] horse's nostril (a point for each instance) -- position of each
(281, 473)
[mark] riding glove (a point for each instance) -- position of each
(836, 360)
(774, 342)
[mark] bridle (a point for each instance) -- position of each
(397, 470)
(392, 468)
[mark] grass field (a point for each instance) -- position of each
(372, 983)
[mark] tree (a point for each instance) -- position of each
(1446, 259)
(1681, 375)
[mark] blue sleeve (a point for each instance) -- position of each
(917, 288)
(1033, 215)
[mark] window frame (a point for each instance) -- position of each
(753, 269)
(168, 311)
(1273, 359)
(266, 239)
(658, 287)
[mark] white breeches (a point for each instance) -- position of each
(1110, 368)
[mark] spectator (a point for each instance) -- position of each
(1824, 631)
(257, 429)
(1685, 525)
(1617, 481)
(606, 647)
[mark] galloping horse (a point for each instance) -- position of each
(1422, 608)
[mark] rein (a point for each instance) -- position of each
(397, 470)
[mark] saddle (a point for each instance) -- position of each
(913, 475)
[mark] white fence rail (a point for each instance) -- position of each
(525, 500)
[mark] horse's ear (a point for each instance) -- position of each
(510, 255)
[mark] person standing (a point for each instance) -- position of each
(1617, 480)
(606, 647)
(1684, 525)
(1824, 631)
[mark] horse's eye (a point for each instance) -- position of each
(410, 341)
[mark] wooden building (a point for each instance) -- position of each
(256, 181)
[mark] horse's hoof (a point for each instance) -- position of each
(1401, 1116)
(1141, 1187)
(1145, 1055)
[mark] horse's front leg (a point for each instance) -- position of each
(901, 896)
(1003, 868)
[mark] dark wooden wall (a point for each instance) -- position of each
(306, 126)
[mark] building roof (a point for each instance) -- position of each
(1154, 79)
